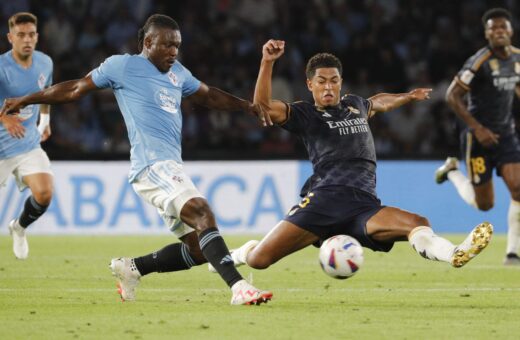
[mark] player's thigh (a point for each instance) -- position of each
(41, 186)
(393, 224)
(284, 239)
(510, 172)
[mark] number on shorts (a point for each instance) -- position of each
(478, 165)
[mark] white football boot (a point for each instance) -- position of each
(127, 275)
(245, 293)
(441, 174)
(238, 255)
(20, 245)
(477, 240)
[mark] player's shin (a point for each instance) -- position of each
(463, 186)
(173, 257)
(431, 246)
(513, 233)
(32, 210)
(216, 252)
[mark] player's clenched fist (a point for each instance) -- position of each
(273, 49)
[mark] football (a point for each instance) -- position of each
(341, 256)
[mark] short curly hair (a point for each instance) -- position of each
(496, 13)
(322, 60)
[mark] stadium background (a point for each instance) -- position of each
(389, 46)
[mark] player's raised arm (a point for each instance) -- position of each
(383, 102)
(276, 110)
(455, 98)
(64, 92)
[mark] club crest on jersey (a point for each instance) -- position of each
(353, 110)
(166, 100)
(41, 81)
(173, 78)
(517, 67)
(495, 67)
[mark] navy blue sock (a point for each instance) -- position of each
(32, 210)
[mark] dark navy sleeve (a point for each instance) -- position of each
(297, 117)
(471, 68)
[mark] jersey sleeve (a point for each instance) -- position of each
(190, 84)
(471, 69)
(110, 72)
(48, 82)
(297, 117)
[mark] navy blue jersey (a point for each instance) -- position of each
(339, 142)
(491, 83)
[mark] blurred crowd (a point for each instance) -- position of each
(385, 46)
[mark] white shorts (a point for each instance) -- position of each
(29, 163)
(166, 186)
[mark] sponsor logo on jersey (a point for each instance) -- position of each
(166, 100)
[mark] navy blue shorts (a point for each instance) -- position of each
(481, 161)
(331, 211)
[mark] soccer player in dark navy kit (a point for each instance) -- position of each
(340, 196)
(490, 77)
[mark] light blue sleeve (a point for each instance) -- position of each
(110, 72)
(190, 84)
(51, 71)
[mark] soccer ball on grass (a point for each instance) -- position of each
(341, 256)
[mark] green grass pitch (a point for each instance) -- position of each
(65, 291)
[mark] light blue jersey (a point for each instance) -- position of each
(16, 81)
(151, 105)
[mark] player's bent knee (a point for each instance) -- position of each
(43, 196)
(258, 262)
(420, 221)
(197, 213)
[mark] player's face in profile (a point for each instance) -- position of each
(163, 47)
(499, 32)
(325, 86)
(23, 38)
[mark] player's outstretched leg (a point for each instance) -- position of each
(238, 255)
(20, 245)
(477, 240)
(441, 174)
(127, 275)
(433, 247)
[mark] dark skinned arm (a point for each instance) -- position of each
(215, 98)
(383, 102)
(455, 98)
(64, 92)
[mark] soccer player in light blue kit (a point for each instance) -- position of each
(23, 71)
(149, 88)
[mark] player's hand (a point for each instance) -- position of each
(11, 105)
(273, 49)
(13, 125)
(420, 94)
(485, 136)
(261, 113)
